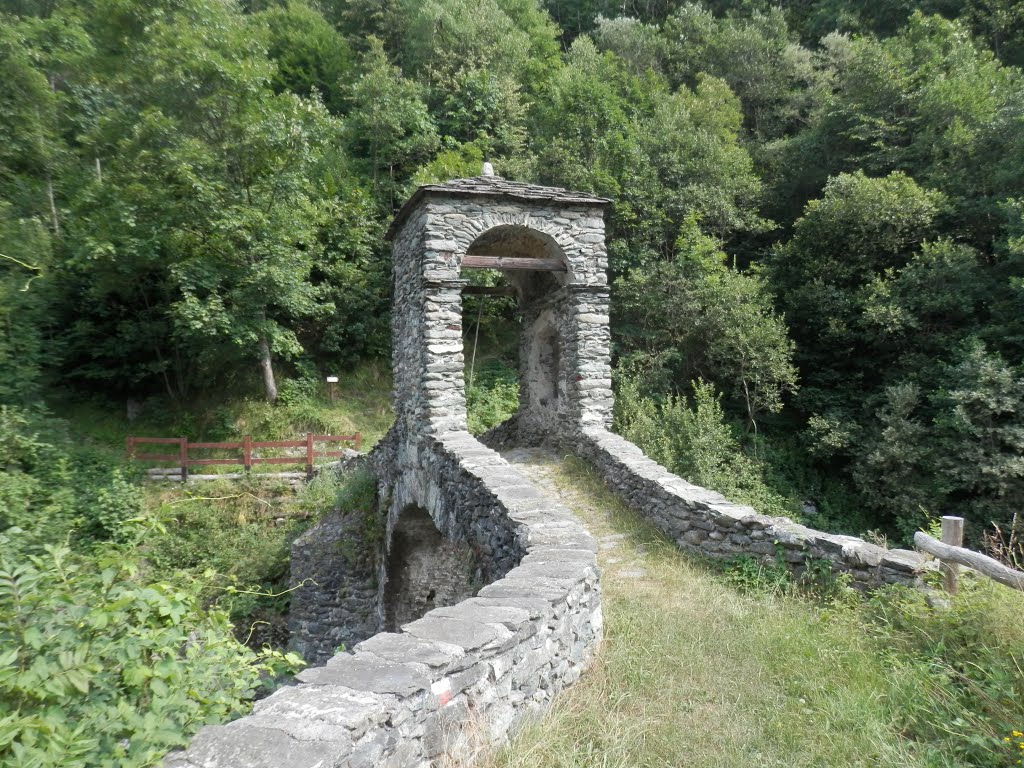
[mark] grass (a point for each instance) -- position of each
(697, 672)
(362, 404)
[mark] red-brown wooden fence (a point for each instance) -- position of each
(246, 445)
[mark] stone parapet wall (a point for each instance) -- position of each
(460, 677)
(705, 523)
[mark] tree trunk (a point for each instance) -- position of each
(267, 367)
(54, 218)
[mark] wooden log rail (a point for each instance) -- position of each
(246, 445)
(950, 554)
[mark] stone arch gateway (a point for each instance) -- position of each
(550, 242)
(435, 689)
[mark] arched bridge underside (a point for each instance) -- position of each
(465, 674)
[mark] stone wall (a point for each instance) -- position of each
(335, 582)
(461, 676)
(705, 523)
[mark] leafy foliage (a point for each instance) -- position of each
(696, 443)
(695, 317)
(492, 398)
(76, 693)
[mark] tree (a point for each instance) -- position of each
(661, 154)
(695, 317)
(506, 37)
(24, 257)
(641, 46)
(980, 448)
(954, 448)
(209, 209)
(756, 55)
(859, 229)
(929, 102)
(389, 128)
(312, 59)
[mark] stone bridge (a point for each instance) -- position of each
(487, 591)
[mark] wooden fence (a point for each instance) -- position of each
(246, 445)
(951, 556)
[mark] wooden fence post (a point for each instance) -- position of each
(129, 447)
(247, 452)
(952, 534)
(183, 457)
(309, 455)
(359, 440)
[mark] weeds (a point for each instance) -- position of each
(1007, 546)
(492, 398)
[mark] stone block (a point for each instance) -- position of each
(468, 635)
(367, 672)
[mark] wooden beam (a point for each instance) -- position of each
(979, 562)
(953, 535)
(513, 262)
(488, 290)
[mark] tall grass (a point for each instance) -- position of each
(697, 672)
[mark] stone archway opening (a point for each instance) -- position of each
(424, 570)
(532, 268)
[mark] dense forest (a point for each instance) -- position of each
(816, 251)
(818, 221)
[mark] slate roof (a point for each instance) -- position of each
(494, 186)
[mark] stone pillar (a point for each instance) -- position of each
(427, 357)
(588, 358)
(442, 381)
(543, 391)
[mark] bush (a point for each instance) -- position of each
(99, 668)
(298, 391)
(56, 492)
(696, 443)
(492, 399)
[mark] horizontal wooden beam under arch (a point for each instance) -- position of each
(513, 262)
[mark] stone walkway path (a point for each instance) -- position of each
(617, 557)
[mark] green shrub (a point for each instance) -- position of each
(492, 398)
(54, 491)
(117, 503)
(296, 391)
(696, 443)
(752, 576)
(100, 668)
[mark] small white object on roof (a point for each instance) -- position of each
(488, 169)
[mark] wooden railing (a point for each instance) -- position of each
(246, 445)
(951, 556)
